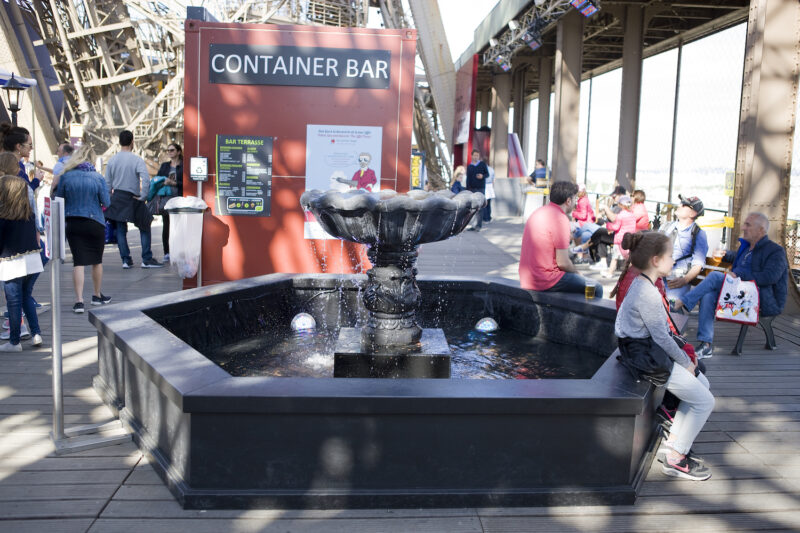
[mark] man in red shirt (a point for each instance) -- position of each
(364, 178)
(544, 263)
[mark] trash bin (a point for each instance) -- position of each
(185, 233)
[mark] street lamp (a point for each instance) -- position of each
(13, 90)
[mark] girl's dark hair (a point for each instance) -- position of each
(644, 245)
(178, 148)
(12, 136)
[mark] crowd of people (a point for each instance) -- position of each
(93, 204)
(659, 272)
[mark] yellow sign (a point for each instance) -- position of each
(416, 164)
(730, 179)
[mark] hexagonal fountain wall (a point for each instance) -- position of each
(221, 441)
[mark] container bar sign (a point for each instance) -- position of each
(299, 66)
(48, 225)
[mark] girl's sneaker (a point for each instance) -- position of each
(8, 347)
(686, 468)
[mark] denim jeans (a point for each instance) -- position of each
(585, 232)
(696, 405)
(572, 282)
(707, 293)
(18, 297)
(122, 242)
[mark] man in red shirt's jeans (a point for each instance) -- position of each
(544, 263)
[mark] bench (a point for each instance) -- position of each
(766, 324)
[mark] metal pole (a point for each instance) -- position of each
(200, 260)
(588, 123)
(55, 296)
(14, 117)
(674, 121)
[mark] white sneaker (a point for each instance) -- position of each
(8, 347)
(37, 340)
(23, 333)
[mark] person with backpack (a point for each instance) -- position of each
(690, 247)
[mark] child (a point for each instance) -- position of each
(648, 350)
(458, 176)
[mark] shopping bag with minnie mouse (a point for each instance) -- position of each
(738, 301)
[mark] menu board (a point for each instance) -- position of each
(244, 175)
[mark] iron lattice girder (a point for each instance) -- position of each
(120, 64)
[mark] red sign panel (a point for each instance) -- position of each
(273, 81)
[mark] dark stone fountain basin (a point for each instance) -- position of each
(261, 442)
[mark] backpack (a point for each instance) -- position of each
(695, 230)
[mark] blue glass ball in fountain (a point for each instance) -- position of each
(303, 322)
(486, 325)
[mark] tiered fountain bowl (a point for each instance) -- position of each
(391, 343)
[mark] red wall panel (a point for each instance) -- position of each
(236, 247)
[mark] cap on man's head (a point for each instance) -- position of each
(625, 200)
(581, 187)
(619, 190)
(694, 202)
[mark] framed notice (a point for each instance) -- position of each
(244, 175)
(341, 158)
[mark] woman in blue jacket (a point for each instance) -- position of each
(85, 193)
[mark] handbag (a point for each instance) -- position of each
(738, 301)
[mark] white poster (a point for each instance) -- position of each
(342, 158)
(49, 226)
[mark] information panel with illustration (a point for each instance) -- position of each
(342, 158)
(244, 175)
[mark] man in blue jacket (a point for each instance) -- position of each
(477, 171)
(757, 259)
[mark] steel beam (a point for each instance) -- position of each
(630, 97)
(501, 101)
(767, 118)
(569, 51)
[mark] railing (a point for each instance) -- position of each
(662, 212)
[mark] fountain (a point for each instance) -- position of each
(391, 343)
(224, 440)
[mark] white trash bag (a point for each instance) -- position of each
(185, 233)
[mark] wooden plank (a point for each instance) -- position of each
(52, 509)
(675, 521)
(60, 525)
(121, 509)
(62, 477)
(246, 525)
(55, 492)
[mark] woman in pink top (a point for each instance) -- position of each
(640, 211)
(583, 211)
(625, 222)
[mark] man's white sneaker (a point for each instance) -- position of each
(37, 340)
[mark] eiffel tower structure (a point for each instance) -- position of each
(119, 65)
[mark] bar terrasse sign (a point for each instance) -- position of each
(299, 66)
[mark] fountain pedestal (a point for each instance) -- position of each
(429, 358)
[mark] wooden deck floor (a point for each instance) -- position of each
(752, 440)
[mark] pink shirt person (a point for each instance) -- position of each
(546, 230)
(624, 223)
(583, 212)
(642, 217)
